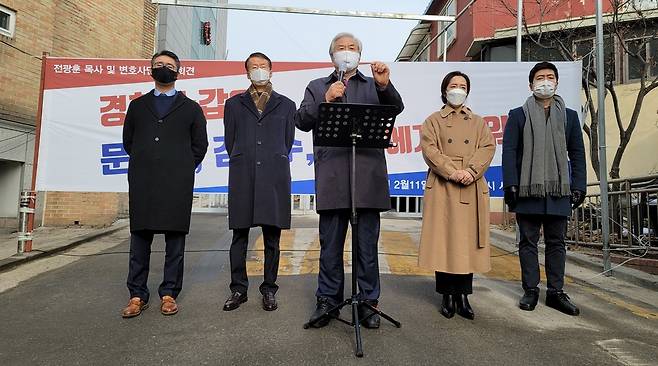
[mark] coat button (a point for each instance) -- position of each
(450, 141)
(258, 142)
(157, 139)
(466, 141)
(258, 163)
(260, 124)
(160, 121)
(466, 118)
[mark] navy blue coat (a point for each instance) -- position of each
(332, 164)
(513, 156)
(259, 170)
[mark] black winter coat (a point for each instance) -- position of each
(164, 152)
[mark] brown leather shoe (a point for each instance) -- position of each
(168, 305)
(134, 308)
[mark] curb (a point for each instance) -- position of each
(15, 261)
(631, 275)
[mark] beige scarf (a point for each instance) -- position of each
(261, 100)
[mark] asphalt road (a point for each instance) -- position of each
(65, 310)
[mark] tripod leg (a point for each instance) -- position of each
(357, 328)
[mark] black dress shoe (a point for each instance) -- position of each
(367, 317)
(234, 301)
(561, 302)
(529, 299)
(448, 306)
(322, 306)
(269, 301)
(463, 307)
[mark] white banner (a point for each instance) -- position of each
(85, 101)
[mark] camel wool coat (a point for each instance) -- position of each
(455, 230)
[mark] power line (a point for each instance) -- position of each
(17, 146)
(20, 50)
(13, 137)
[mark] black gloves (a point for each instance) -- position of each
(577, 198)
(511, 196)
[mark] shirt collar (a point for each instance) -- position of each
(333, 77)
(448, 109)
(170, 93)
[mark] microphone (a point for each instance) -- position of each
(342, 68)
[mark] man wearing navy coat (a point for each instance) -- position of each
(332, 185)
(259, 131)
(544, 178)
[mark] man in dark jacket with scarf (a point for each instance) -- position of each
(332, 187)
(259, 131)
(544, 179)
(164, 133)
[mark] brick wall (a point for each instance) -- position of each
(70, 28)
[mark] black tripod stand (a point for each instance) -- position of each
(363, 126)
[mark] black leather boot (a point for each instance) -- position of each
(463, 307)
(448, 306)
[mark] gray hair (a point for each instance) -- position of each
(343, 35)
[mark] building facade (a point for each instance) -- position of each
(193, 33)
(62, 28)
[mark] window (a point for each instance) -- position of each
(648, 50)
(7, 22)
(585, 49)
(449, 9)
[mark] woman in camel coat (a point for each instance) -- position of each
(458, 147)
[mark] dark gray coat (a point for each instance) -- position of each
(332, 164)
(513, 156)
(164, 153)
(259, 169)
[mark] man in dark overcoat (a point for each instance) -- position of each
(259, 133)
(165, 135)
(544, 178)
(332, 178)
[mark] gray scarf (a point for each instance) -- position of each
(544, 168)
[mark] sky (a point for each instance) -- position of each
(300, 37)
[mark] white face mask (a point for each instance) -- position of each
(456, 96)
(544, 89)
(259, 76)
(349, 60)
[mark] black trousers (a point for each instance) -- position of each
(555, 228)
(140, 257)
(454, 284)
(333, 230)
(238, 254)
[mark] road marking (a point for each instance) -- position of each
(627, 351)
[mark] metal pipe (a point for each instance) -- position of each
(308, 11)
(519, 25)
(445, 45)
(603, 165)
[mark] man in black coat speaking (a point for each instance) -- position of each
(259, 132)
(332, 178)
(164, 133)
